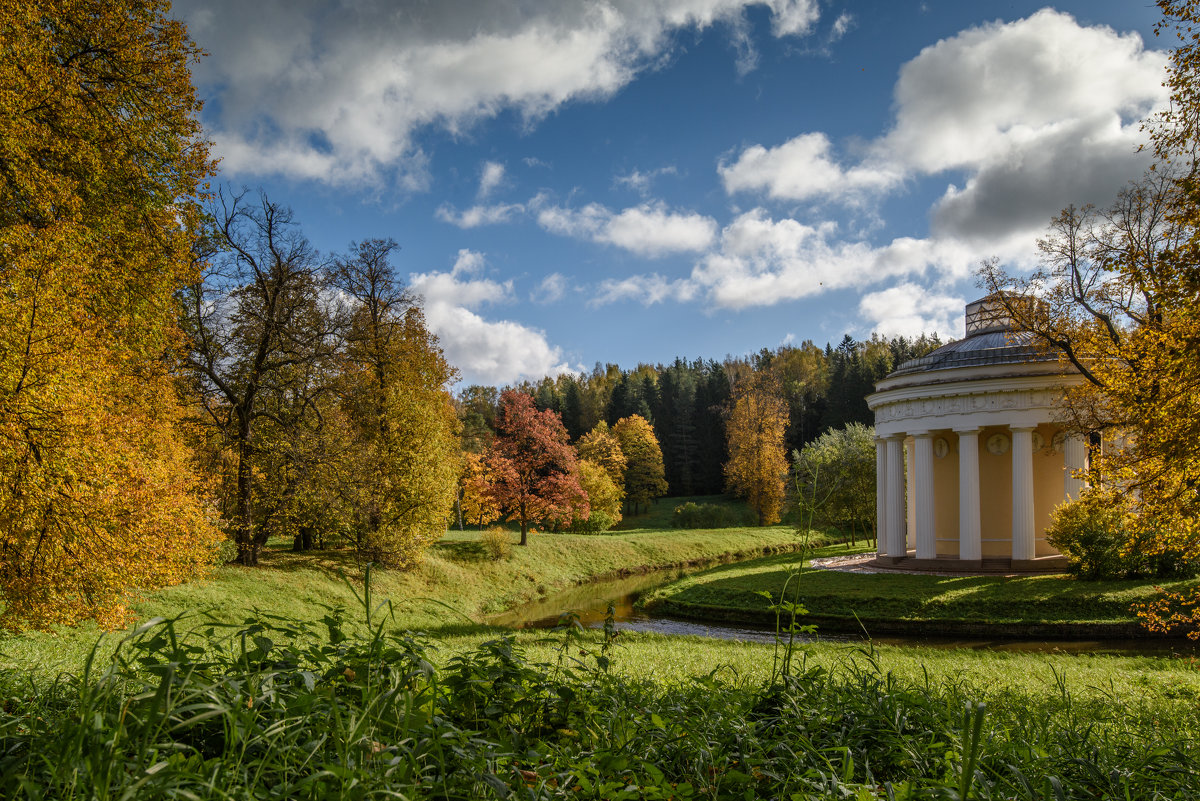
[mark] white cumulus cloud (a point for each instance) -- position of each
(491, 176)
(551, 289)
(1035, 114)
(644, 289)
(803, 168)
(911, 310)
(649, 229)
(763, 261)
(484, 351)
(641, 182)
(476, 216)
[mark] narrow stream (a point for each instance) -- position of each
(590, 603)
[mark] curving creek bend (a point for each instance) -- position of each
(590, 602)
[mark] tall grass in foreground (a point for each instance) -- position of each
(335, 709)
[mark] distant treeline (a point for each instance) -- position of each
(686, 401)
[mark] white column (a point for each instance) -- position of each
(881, 496)
(1074, 460)
(910, 495)
(894, 525)
(1022, 493)
(925, 527)
(969, 542)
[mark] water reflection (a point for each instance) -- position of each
(590, 602)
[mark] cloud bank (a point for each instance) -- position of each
(1020, 119)
(337, 91)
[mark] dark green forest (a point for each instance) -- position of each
(686, 401)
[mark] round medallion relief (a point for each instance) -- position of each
(1059, 442)
(997, 444)
(1039, 442)
(940, 448)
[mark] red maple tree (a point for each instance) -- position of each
(535, 477)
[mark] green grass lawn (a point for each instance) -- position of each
(732, 591)
(456, 586)
(291, 709)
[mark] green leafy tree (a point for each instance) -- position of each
(833, 480)
(402, 462)
(256, 332)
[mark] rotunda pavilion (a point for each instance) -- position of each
(970, 460)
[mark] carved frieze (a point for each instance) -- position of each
(940, 406)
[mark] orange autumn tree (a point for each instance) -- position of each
(534, 474)
(757, 457)
(103, 159)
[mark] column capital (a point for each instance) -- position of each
(969, 430)
(1021, 428)
(921, 432)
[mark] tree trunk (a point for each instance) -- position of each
(305, 539)
(244, 531)
(524, 532)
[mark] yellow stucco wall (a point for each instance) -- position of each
(995, 493)
(945, 495)
(995, 496)
(1048, 468)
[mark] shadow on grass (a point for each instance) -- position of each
(332, 562)
(462, 550)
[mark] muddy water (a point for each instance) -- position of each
(590, 603)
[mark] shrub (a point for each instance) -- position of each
(497, 543)
(1090, 533)
(597, 523)
(1096, 535)
(706, 515)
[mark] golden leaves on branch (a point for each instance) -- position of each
(102, 156)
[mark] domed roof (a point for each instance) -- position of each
(992, 339)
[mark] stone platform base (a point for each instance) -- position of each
(1044, 564)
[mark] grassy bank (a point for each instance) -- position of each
(300, 703)
(450, 592)
(1055, 604)
(291, 710)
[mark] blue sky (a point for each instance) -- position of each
(574, 182)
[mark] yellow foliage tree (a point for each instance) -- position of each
(400, 473)
(476, 502)
(600, 446)
(644, 473)
(604, 499)
(755, 432)
(1119, 296)
(1113, 298)
(102, 160)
